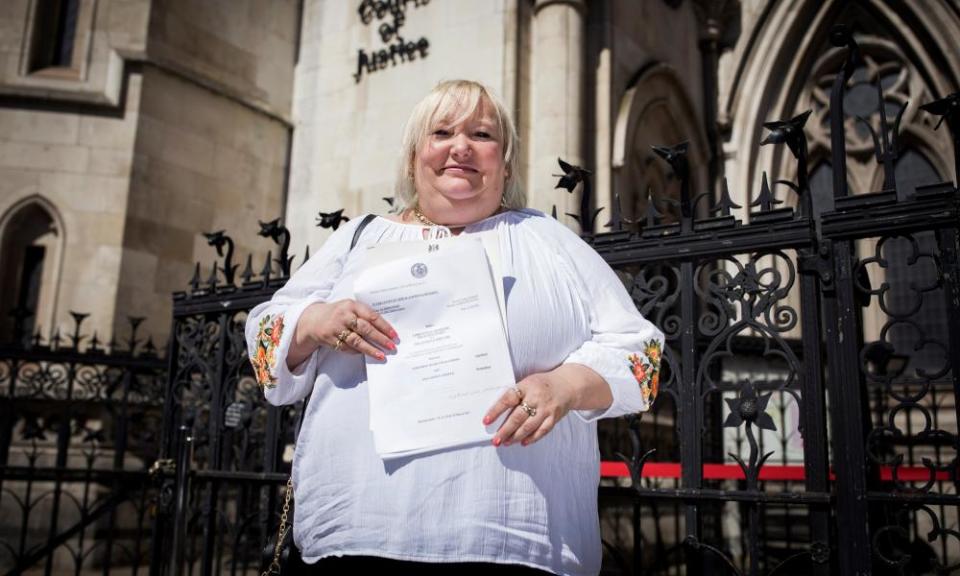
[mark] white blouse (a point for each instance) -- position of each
(533, 505)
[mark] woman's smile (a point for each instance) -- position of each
(459, 169)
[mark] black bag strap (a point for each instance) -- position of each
(359, 231)
(277, 553)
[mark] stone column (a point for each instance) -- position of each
(556, 101)
(713, 18)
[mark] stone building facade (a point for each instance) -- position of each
(127, 128)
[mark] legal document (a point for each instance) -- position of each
(445, 300)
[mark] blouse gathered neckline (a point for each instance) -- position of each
(465, 227)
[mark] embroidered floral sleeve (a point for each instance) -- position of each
(264, 357)
(646, 369)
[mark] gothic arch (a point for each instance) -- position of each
(773, 75)
(905, 87)
(32, 241)
(788, 68)
(654, 110)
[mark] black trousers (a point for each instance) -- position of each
(362, 565)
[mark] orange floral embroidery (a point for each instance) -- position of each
(265, 356)
(646, 369)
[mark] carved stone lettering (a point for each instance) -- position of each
(397, 49)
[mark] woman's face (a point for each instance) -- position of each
(459, 170)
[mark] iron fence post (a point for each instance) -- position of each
(184, 457)
(217, 395)
(847, 405)
(159, 554)
(690, 452)
(63, 445)
(842, 335)
(949, 242)
(816, 466)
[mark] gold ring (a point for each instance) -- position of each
(352, 325)
(338, 345)
(342, 336)
(530, 410)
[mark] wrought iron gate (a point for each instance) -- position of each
(231, 451)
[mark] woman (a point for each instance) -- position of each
(526, 503)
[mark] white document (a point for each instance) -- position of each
(452, 360)
(388, 252)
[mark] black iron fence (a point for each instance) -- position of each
(807, 420)
(79, 430)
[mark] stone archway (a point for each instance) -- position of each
(654, 110)
(777, 73)
(31, 251)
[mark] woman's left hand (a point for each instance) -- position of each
(537, 402)
(541, 400)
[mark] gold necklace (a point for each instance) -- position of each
(428, 222)
(423, 219)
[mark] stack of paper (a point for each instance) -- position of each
(445, 300)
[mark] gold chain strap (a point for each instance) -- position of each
(274, 567)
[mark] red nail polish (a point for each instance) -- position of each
(391, 345)
(525, 442)
(496, 441)
(393, 334)
(380, 356)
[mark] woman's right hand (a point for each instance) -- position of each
(345, 325)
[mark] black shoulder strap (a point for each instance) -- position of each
(359, 231)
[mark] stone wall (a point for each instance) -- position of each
(244, 49)
(109, 33)
(67, 143)
(203, 163)
(656, 97)
(173, 120)
(81, 166)
(650, 31)
(211, 148)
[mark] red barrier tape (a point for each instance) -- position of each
(668, 470)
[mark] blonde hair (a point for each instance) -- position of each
(455, 101)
